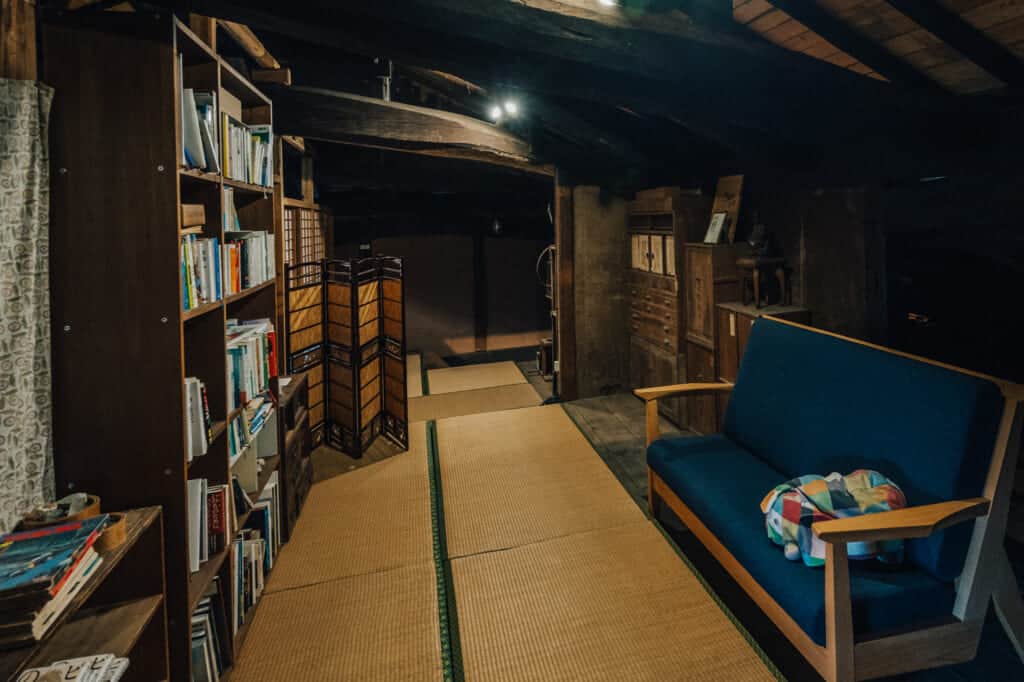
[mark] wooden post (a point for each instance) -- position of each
(18, 40)
(205, 28)
(480, 321)
(566, 321)
(652, 417)
(838, 616)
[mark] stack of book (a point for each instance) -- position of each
(251, 359)
(98, 668)
(247, 425)
(210, 516)
(209, 636)
(248, 260)
(199, 431)
(255, 547)
(247, 151)
(198, 120)
(200, 271)
(41, 571)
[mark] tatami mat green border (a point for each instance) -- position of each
(451, 646)
(693, 569)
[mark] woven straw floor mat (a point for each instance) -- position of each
(371, 519)
(521, 476)
(444, 405)
(613, 604)
(379, 627)
(472, 377)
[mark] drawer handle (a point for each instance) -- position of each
(666, 329)
(636, 315)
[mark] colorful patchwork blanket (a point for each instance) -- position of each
(792, 507)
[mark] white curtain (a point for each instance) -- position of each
(26, 443)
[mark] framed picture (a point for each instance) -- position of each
(717, 228)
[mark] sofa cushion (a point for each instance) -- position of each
(722, 484)
(811, 403)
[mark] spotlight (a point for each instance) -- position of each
(496, 113)
(609, 3)
(511, 107)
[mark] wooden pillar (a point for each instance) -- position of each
(480, 320)
(18, 40)
(565, 296)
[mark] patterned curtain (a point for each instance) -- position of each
(26, 444)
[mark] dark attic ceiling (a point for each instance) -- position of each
(650, 91)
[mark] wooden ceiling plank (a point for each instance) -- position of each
(244, 36)
(849, 40)
(965, 39)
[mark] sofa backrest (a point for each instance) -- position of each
(812, 403)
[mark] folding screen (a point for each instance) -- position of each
(353, 339)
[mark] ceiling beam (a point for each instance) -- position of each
(856, 44)
(244, 36)
(502, 43)
(960, 35)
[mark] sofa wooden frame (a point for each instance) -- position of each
(987, 572)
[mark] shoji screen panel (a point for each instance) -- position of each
(304, 337)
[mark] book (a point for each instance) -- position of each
(206, 107)
(39, 560)
(198, 428)
(191, 138)
(23, 629)
(196, 509)
(201, 271)
(217, 503)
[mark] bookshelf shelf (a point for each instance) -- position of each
(200, 580)
(141, 552)
(97, 441)
(112, 629)
(201, 310)
(196, 174)
(248, 187)
(245, 293)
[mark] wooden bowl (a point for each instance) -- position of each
(113, 535)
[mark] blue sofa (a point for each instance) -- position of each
(809, 402)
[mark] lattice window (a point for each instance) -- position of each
(289, 237)
(318, 237)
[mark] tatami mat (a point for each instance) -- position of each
(460, 403)
(521, 476)
(472, 377)
(375, 627)
(371, 519)
(414, 375)
(612, 604)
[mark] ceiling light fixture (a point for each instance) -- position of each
(496, 113)
(609, 3)
(511, 107)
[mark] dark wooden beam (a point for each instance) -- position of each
(504, 44)
(18, 39)
(959, 34)
(566, 386)
(343, 117)
(852, 42)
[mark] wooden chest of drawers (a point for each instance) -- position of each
(734, 321)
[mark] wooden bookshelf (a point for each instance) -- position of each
(123, 343)
(119, 611)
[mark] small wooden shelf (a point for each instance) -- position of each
(109, 630)
(197, 174)
(248, 186)
(245, 293)
(239, 86)
(201, 579)
(65, 632)
(269, 467)
(201, 310)
(252, 436)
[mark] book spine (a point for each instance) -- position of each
(206, 413)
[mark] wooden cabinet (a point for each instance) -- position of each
(710, 277)
(734, 321)
(661, 221)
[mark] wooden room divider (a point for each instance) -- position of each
(345, 328)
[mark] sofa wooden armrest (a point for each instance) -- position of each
(898, 524)
(650, 396)
(675, 390)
